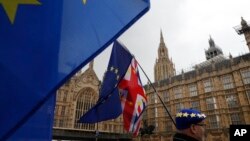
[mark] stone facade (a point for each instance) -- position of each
(75, 98)
(219, 87)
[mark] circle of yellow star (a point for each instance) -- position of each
(112, 68)
(116, 71)
(84, 1)
(10, 7)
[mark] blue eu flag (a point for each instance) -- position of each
(44, 42)
(109, 105)
(39, 125)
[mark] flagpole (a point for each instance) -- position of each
(165, 107)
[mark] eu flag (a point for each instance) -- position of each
(44, 42)
(39, 126)
(109, 105)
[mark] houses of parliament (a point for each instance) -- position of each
(218, 87)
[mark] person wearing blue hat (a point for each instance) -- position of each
(190, 125)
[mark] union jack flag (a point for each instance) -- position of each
(133, 98)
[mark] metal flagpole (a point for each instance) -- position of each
(165, 107)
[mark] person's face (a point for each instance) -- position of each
(199, 131)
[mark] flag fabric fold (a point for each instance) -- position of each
(108, 105)
(133, 99)
(44, 42)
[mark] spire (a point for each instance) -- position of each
(243, 22)
(213, 49)
(245, 29)
(163, 65)
(91, 64)
(161, 40)
(162, 50)
(230, 55)
(211, 42)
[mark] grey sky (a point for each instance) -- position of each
(186, 26)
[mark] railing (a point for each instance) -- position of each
(71, 134)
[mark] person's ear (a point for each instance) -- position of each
(193, 129)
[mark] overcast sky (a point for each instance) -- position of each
(186, 26)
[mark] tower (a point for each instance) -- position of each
(213, 49)
(244, 28)
(164, 67)
(91, 64)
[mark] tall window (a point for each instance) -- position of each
(166, 96)
(245, 76)
(55, 122)
(84, 102)
(211, 103)
(61, 123)
(195, 105)
(169, 126)
(227, 82)
(214, 121)
(63, 111)
(235, 118)
(207, 85)
(192, 90)
(64, 97)
(177, 92)
(178, 107)
(231, 101)
(59, 95)
(56, 110)
(153, 98)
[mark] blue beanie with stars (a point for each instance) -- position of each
(186, 117)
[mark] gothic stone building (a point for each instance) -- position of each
(75, 98)
(219, 87)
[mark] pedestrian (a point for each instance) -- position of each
(190, 125)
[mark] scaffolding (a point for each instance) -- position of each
(242, 29)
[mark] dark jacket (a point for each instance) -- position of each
(182, 137)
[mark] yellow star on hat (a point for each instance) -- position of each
(193, 115)
(179, 115)
(185, 114)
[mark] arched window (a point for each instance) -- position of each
(85, 100)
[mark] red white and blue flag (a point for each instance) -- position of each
(133, 98)
(121, 92)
